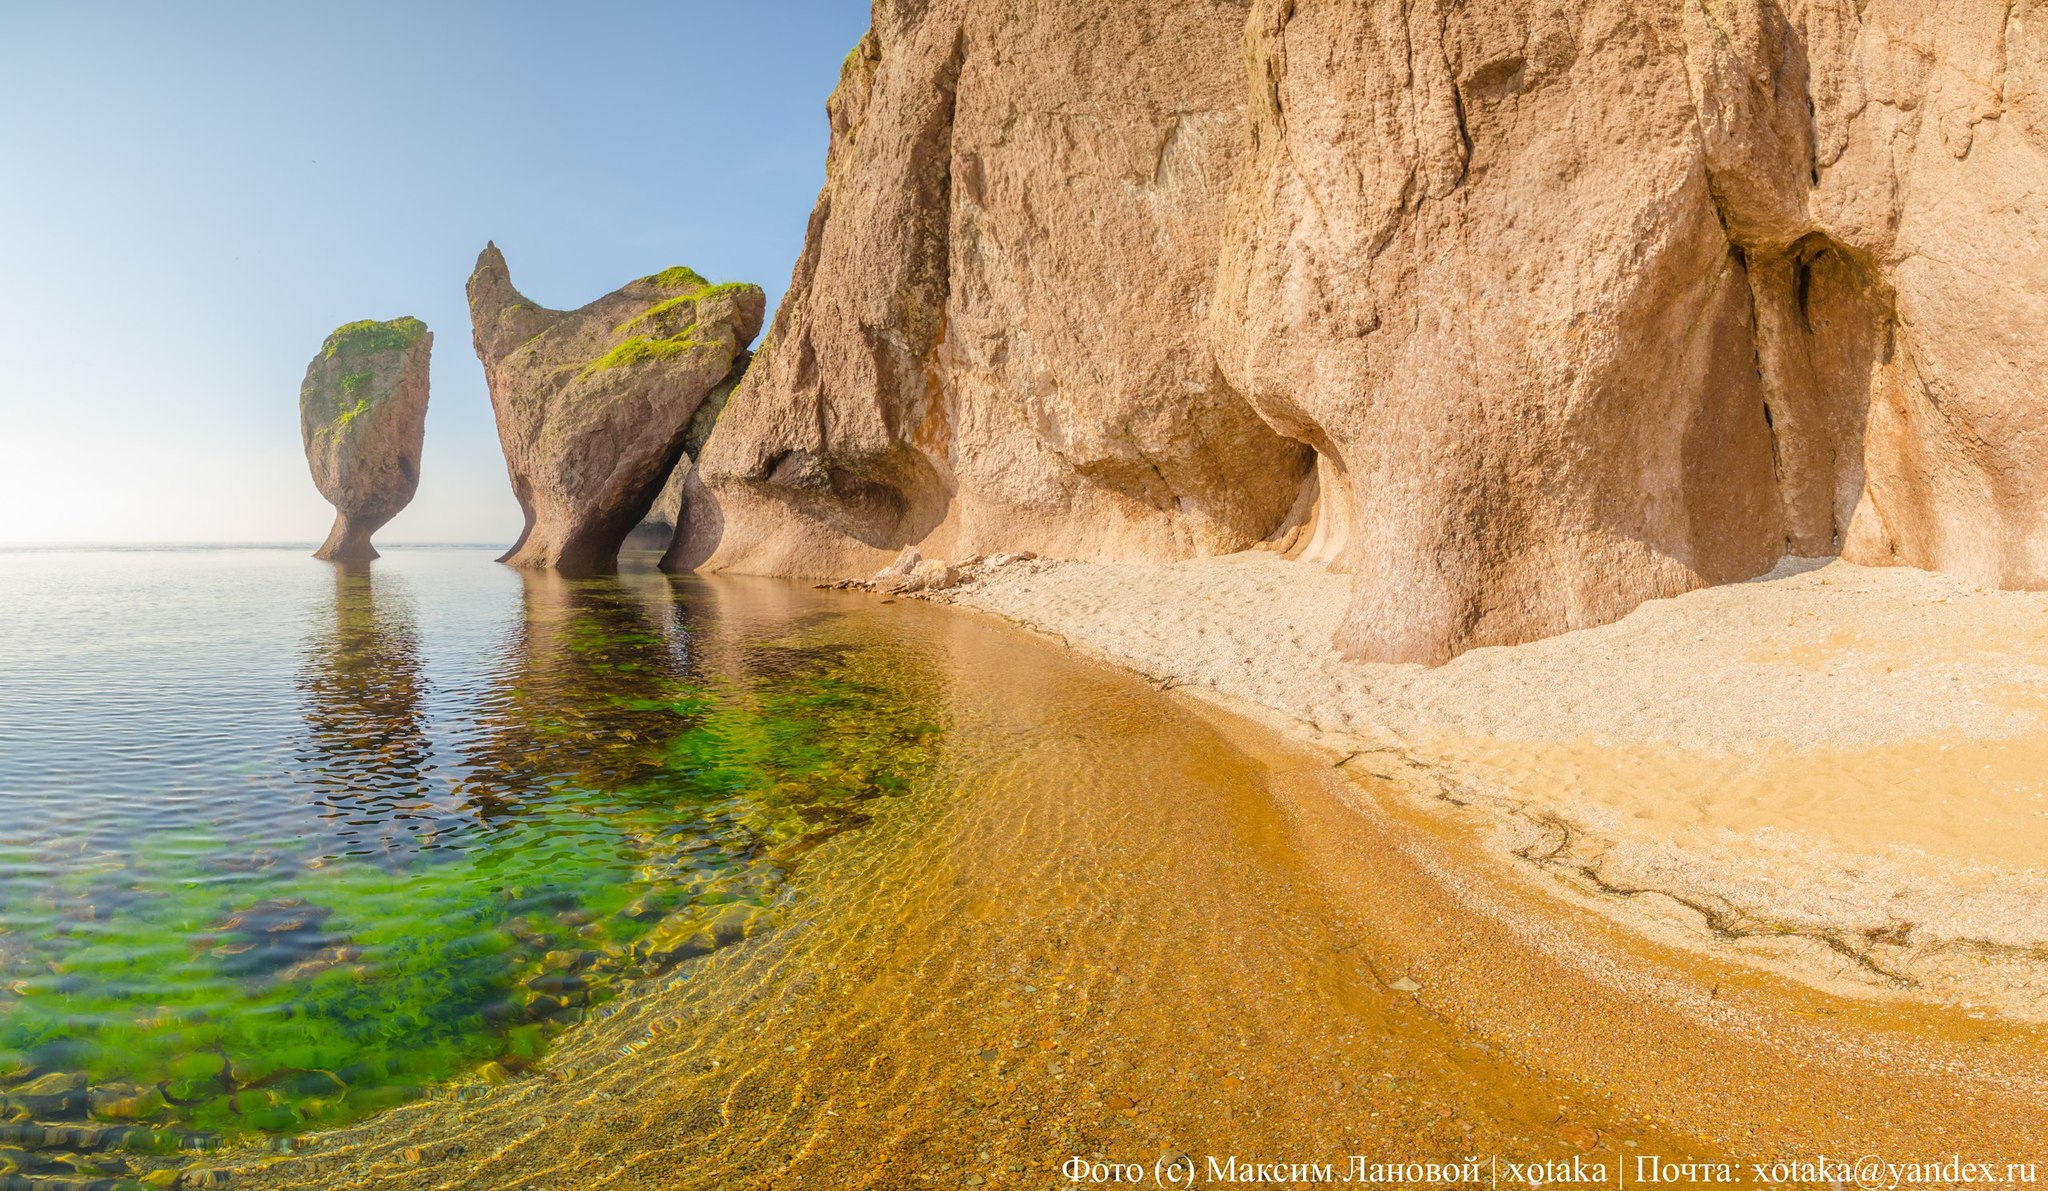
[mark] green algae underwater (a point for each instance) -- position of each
(481, 812)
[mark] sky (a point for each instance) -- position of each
(193, 195)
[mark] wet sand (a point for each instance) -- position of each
(1127, 924)
(1838, 772)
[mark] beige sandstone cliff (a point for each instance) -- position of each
(1577, 304)
(594, 405)
(997, 333)
(657, 531)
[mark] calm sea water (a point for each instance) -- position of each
(283, 843)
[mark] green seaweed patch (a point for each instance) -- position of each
(677, 277)
(643, 815)
(368, 335)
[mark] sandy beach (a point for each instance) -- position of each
(1838, 772)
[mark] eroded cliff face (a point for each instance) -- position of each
(997, 336)
(1917, 296)
(1585, 304)
(363, 420)
(658, 529)
(594, 405)
(1577, 304)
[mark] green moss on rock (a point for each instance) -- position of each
(659, 309)
(368, 335)
(646, 347)
(677, 277)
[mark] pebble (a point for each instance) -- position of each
(57, 1096)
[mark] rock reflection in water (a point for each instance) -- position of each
(366, 752)
(591, 676)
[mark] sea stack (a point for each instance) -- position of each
(363, 416)
(594, 405)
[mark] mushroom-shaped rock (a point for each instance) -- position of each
(594, 405)
(363, 416)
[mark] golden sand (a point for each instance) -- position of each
(1840, 772)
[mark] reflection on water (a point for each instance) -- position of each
(366, 751)
(310, 841)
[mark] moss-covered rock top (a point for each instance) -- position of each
(362, 414)
(369, 335)
(646, 347)
(679, 324)
(677, 277)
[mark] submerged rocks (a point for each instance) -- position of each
(697, 930)
(125, 1102)
(362, 417)
(595, 405)
(275, 939)
(58, 1096)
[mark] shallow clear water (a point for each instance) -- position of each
(283, 843)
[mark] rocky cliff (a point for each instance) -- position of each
(363, 418)
(1520, 313)
(997, 333)
(594, 405)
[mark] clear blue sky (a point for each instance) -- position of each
(193, 195)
